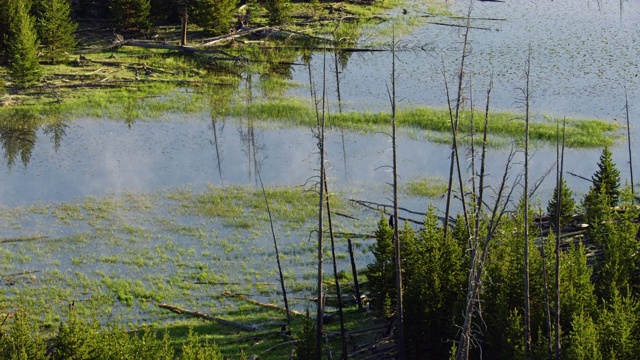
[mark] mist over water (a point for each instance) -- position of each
(584, 53)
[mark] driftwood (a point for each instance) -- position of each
(331, 334)
(235, 35)
(459, 26)
(179, 310)
(20, 273)
(232, 283)
(255, 302)
(14, 240)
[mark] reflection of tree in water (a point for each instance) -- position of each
(276, 67)
(247, 133)
(57, 130)
(220, 98)
(18, 136)
(130, 111)
(18, 133)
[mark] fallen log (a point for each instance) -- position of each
(232, 36)
(255, 302)
(181, 311)
(20, 274)
(232, 283)
(33, 238)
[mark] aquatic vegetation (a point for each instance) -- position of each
(432, 187)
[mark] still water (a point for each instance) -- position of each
(584, 53)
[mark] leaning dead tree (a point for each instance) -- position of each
(275, 245)
(559, 180)
(454, 117)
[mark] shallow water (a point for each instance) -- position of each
(582, 58)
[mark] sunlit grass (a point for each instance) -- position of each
(432, 187)
(579, 132)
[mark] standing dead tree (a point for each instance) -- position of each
(626, 107)
(319, 134)
(479, 250)
(527, 304)
(396, 237)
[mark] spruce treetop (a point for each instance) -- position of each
(607, 177)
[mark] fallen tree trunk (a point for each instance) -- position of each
(255, 302)
(235, 35)
(34, 238)
(179, 310)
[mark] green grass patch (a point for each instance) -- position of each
(580, 133)
(431, 187)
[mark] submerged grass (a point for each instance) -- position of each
(431, 187)
(580, 133)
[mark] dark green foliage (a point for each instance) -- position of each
(55, 29)
(77, 338)
(596, 206)
(567, 205)
(583, 339)
(130, 14)
(98, 9)
(22, 341)
(434, 273)
(18, 134)
(607, 178)
(6, 11)
(578, 296)
(305, 347)
(618, 333)
(381, 273)
(164, 10)
(115, 343)
(23, 47)
(197, 349)
(278, 11)
(617, 267)
(215, 16)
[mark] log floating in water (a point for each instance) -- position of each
(33, 238)
(255, 302)
(179, 310)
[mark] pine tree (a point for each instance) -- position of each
(278, 11)
(130, 14)
(618, 265)
(567, 205)
(56, 29)
(22, 340)
(23, 48)
(6, 13)
(583, 339)
(215, 16)
(618, 325)
(381, 273)
(435, 271)
(607, 177)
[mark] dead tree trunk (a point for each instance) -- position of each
(527, 310)
(396, 237)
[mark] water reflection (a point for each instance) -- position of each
(247, 131)
(18, 134)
